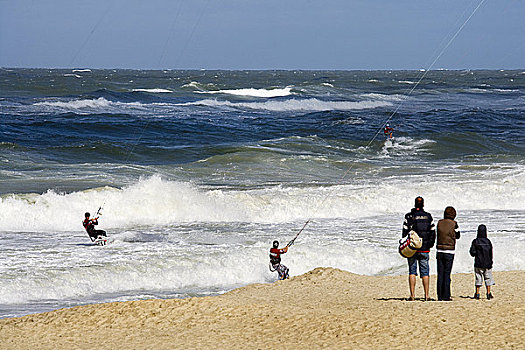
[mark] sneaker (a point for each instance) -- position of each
(476, 296)
(489, 296)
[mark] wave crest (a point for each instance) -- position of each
(307, 105)
(100, 102)
(251, 92)
(153, 91)
(158, 202)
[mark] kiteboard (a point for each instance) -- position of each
(389, 142)
(101, 240)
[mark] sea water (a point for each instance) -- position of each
(197, 172)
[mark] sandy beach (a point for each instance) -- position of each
(324, 308)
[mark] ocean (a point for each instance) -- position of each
(197, 172)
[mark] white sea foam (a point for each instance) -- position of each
(193, 84)
(77, 104)
(327, 84)
(155, 201)
(158, 267)
(73, 75)
(405, 146)
(477, 90)
(505, 90)
(81, 71)
(310, 105)
(266, 93)
(406, 82)
(210, 268)
(382, 97)
(99, 104)
(199, 86)
(175, 237)
(486, 91)
(154, 91)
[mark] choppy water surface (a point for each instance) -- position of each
(199, 171)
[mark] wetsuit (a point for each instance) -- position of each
(275, 260)
(89, 225)
(388, 131)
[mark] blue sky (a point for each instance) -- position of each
(262, 34)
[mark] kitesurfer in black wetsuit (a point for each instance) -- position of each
(89, 225)
(275, 260)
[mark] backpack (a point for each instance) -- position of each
(410, 244)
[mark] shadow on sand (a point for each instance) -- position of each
(403, 299)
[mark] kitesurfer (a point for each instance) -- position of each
(89, 225)
(388, 131)
(422, 223)
(275, 260)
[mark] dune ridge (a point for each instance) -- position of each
(324, 308)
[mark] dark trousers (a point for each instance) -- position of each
(444, 268)
(95, 233)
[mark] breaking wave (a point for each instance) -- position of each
(153, 91)
(100, 102)
(155, 201)
(251, 92)
(309, 105)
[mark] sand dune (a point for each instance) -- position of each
(324, 308)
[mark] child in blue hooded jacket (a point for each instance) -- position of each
(481, 250)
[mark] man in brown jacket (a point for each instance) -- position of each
(447, 233)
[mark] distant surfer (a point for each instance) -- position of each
(275, 260)
(388, 131)
(89, 225)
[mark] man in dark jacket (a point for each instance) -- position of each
(481, 250)
(447, 233)
(422, 223)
